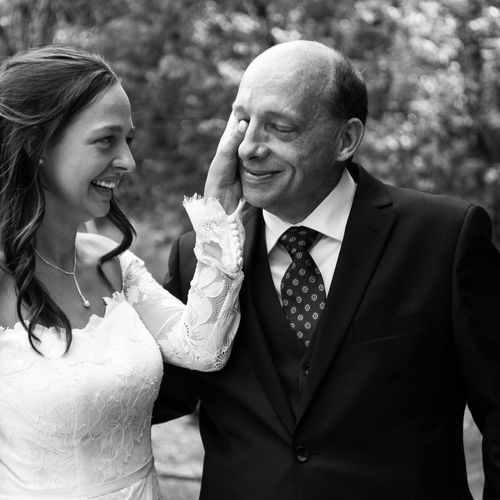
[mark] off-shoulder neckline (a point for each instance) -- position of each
(118, 296)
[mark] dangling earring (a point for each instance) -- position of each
(41, 162)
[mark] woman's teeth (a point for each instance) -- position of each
(105, 184)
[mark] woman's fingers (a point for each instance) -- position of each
(242, 126)
(232, 136)
(223, 180)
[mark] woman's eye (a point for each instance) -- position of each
(129, 139)
(106, 140)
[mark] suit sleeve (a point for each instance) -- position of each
(178, 394)
(476, 324)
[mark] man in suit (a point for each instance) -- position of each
(353, 364)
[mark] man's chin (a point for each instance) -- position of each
(256, 197)
(264, 201)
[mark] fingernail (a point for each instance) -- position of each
(242, 126)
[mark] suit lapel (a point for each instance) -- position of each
(367, 230)
(252, 330)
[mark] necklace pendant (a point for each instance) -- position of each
(86, 303)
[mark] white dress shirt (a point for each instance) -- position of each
(329, 218)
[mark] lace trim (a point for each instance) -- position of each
(219, 237)
(111, 302)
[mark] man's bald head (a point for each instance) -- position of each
(298, 52)
(322, 72)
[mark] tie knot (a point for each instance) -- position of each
(297, 239)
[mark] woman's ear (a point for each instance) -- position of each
(29, 146)
(350, 139)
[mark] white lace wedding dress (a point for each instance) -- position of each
(78, 425)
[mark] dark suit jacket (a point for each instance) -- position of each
(411, 333)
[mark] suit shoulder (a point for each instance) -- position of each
(441, 218)
(430, 204)
(409, 202)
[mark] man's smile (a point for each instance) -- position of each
(258, 175)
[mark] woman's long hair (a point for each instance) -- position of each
(41, 91)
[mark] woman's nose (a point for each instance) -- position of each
(125, 161)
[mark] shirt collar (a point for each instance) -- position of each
(328, 218)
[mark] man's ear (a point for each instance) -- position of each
(350, 139)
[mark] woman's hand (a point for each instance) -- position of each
(223, 179)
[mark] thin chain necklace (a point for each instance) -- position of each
(85, 302)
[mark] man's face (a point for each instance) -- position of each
(287, 158)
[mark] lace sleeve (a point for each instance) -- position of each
(197, 335)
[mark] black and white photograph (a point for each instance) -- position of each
(249, 250)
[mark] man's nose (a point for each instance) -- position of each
(253, 145)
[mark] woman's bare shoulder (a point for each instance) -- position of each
(92, 247)
(95, 245)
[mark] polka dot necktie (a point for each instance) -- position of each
(302, 288)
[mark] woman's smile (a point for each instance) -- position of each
(105, 187)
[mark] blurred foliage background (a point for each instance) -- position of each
(432, 69)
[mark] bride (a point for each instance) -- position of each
(83, 325)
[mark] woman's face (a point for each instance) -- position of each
(82, 168)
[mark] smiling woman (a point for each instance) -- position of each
(85, 164)
(83, 325)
